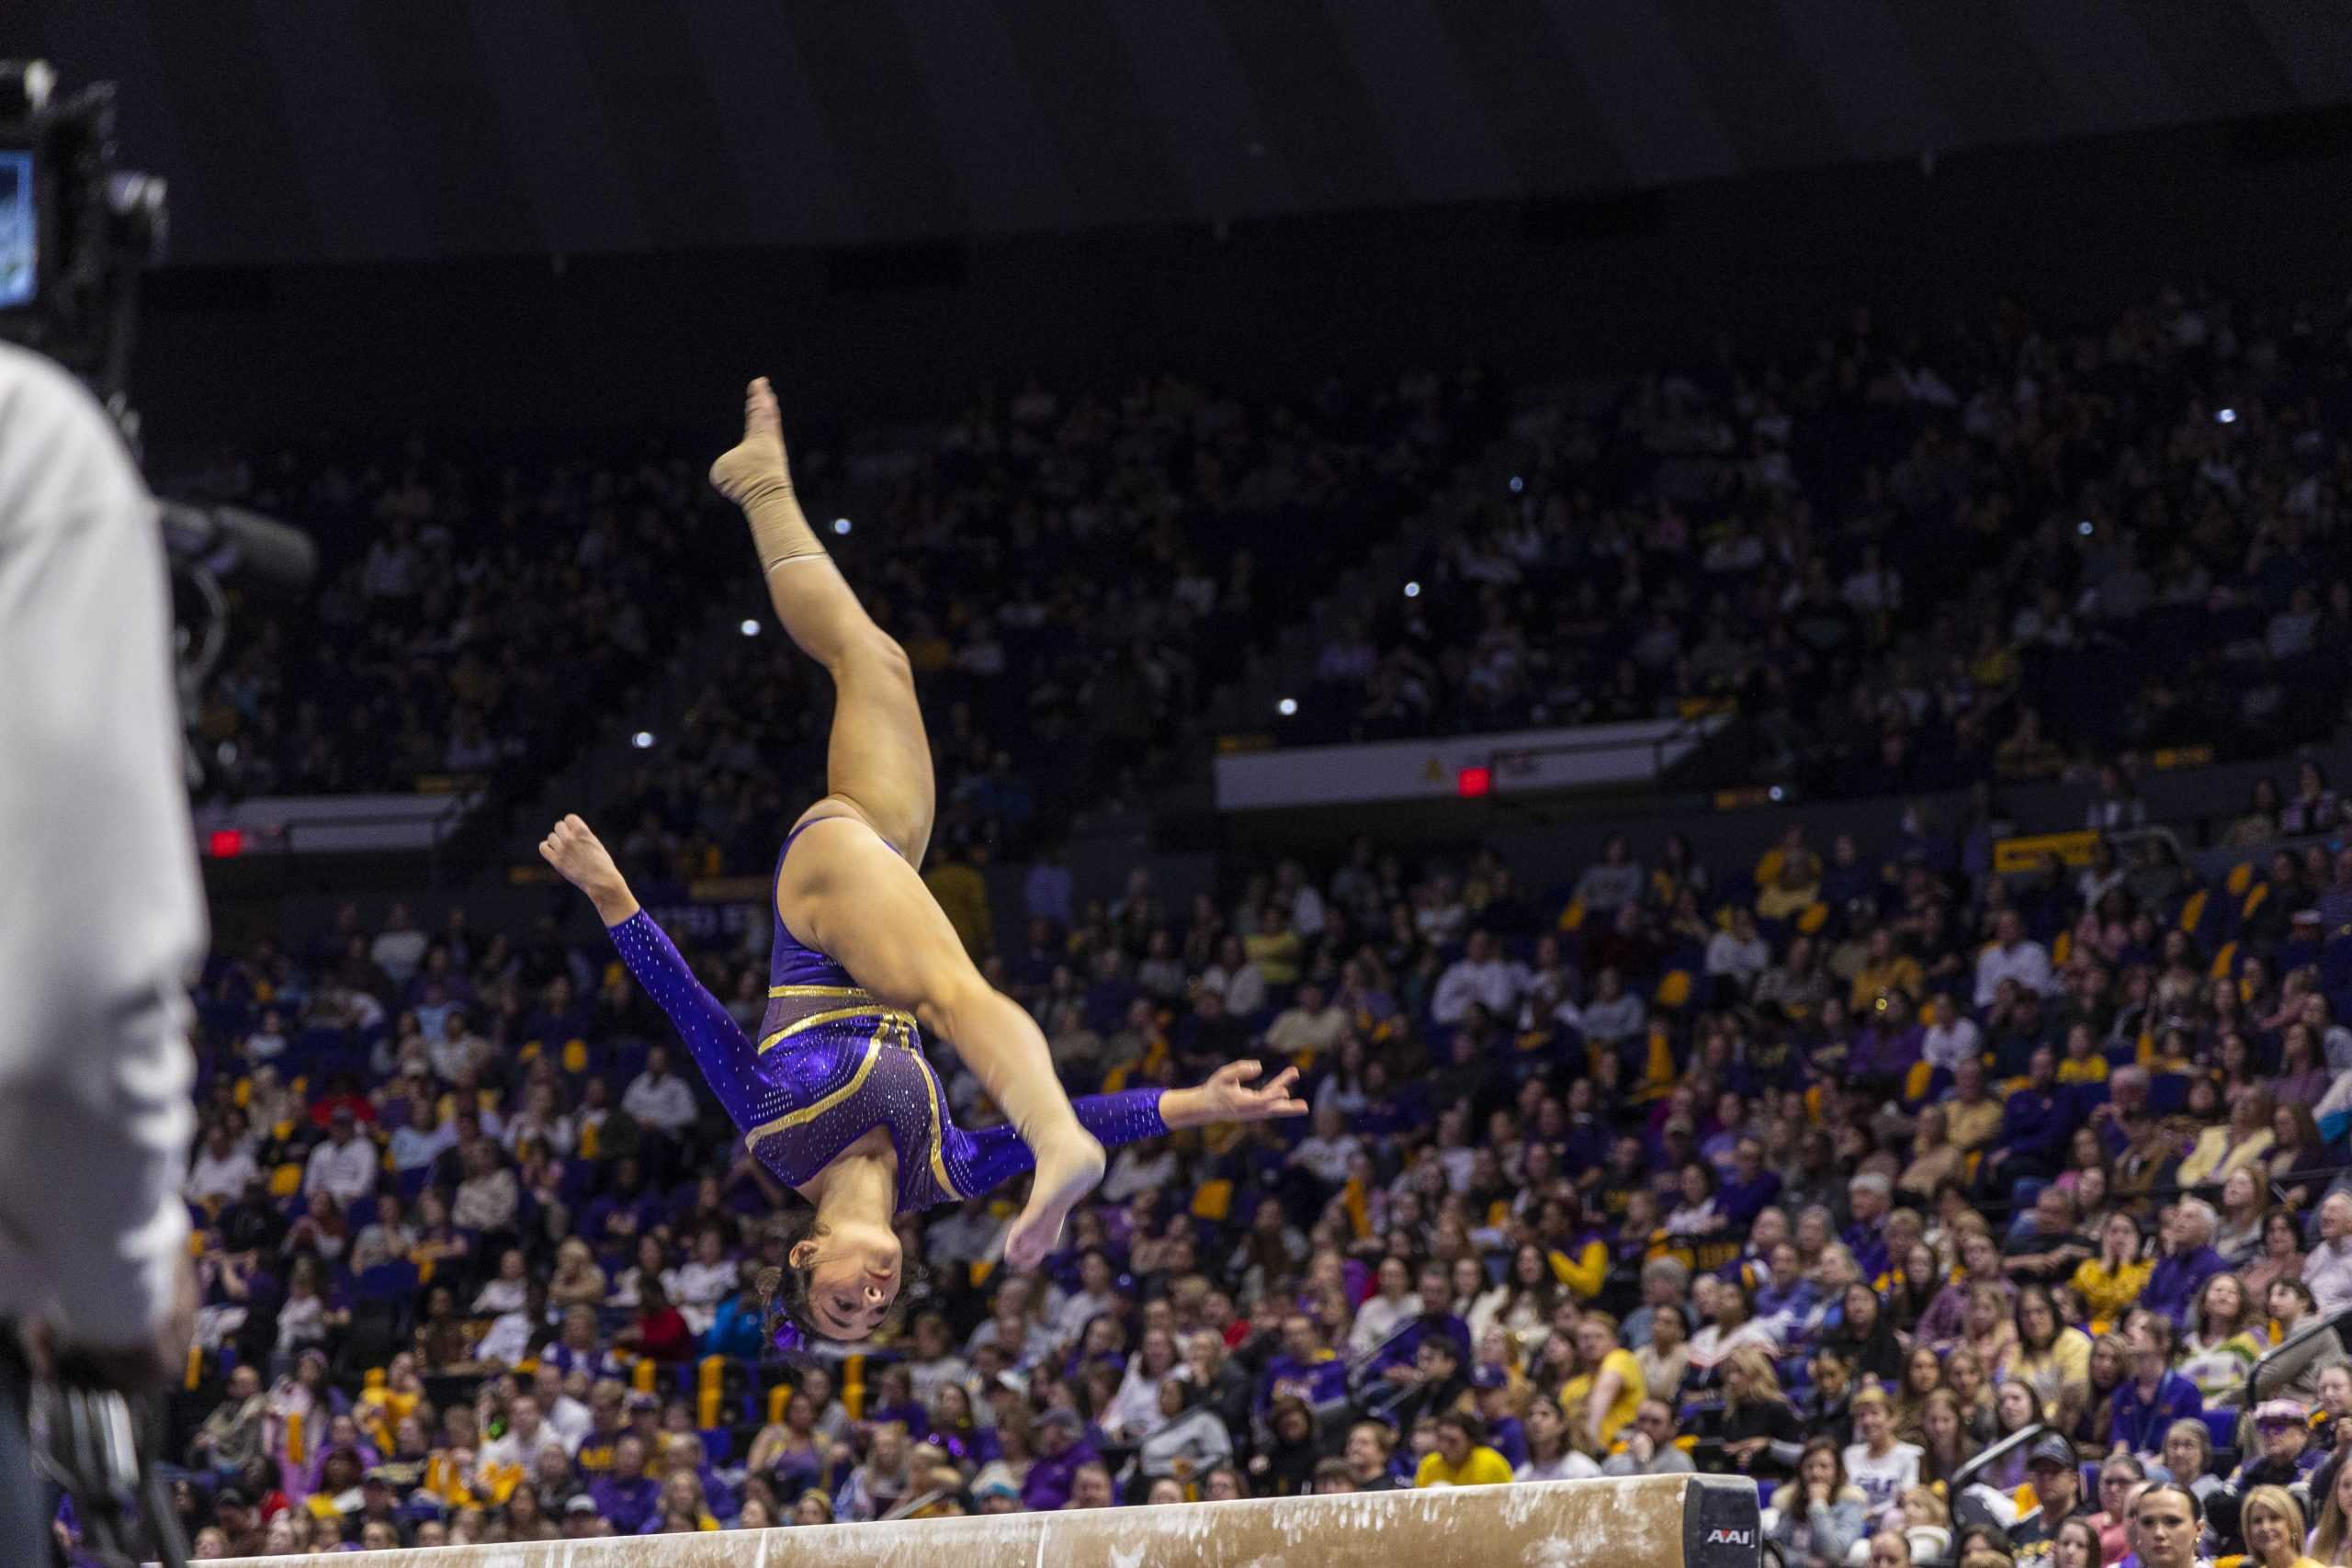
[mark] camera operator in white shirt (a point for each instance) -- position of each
(101, 911)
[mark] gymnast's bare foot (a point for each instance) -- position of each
(755, 465)
(1067, 1168)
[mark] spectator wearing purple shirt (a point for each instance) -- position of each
(1888, 1046)
(1305, 1366)
(2188, 1262)
(2036, 1122)
(2154, 1396)
(1062, 1447)
(1748, 1187)
(628, 1496)
(629, 1204)
(1868, 1198)
(1436, 1320)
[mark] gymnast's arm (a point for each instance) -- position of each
(993, 1156)
(709, 1029)
(710, 1032)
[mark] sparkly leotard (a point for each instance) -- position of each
(832, 1062)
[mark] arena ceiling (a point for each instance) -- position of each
(300, 131)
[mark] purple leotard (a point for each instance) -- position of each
(833, 1064)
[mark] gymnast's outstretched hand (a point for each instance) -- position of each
(1228, 1097)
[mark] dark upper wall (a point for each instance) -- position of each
(355, 131)
(641, 342)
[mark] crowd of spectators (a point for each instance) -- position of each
(1070, 578)
(467, 621)
(1906, 560)
(1830, 1170)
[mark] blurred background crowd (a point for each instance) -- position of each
(1841, 1151)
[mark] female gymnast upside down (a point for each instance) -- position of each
(836, 1097)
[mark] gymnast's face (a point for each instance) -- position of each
(854, 1273)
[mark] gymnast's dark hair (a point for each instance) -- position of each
(787, 1320)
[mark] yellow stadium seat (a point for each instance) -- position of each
(1914, 1082)
(1674, 991)
(2192, 910)
(1572, 917)
(2062, 947)
(2254, 900)
(1812, 917)
(1212, 1201)
(710, 1382)
(285, 1180)
(2225, 961)
(1657, 1072)
(576, 1056)
(2241, 879)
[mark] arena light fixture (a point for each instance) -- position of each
(1517, 484)
(642, 741)
(2225, 416)
(1412, 590)
(1287, 706)
(750, 628)
(841, 525)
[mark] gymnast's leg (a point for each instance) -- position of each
(878, 764)
(878, 760)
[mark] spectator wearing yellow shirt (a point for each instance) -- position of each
(2083, 1062)
(2112, 1282)
(2243, 1140)
(1972, 1117)
(1462, 1457)
(1608, 1388)
(1788, 876)
(1271, 945)
(1884, 968)
(1581, 1265)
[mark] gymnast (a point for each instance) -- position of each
(836, 1097)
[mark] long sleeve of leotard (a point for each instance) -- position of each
(993, 1156)
(729, 1061)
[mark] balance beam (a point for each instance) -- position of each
(1660, 1521)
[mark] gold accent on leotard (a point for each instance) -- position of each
(811, 1111)
(837, 1015)
(938, 1157)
